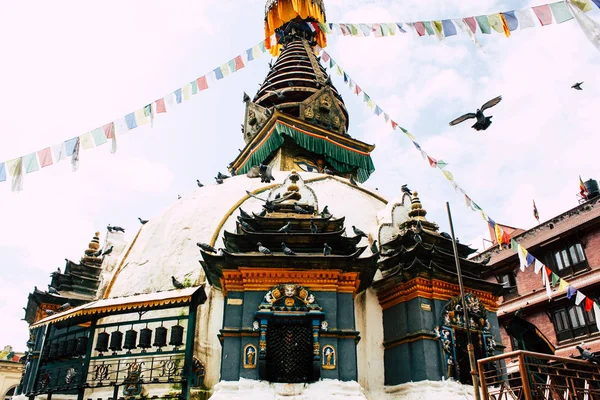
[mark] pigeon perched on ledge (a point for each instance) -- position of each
(176, 283)
(206, 247)
(286, 250)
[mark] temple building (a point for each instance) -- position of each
(291, 278)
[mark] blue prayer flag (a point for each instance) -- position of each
(378, 110)
(2, 172)
(449, 28)
(417, 146)
(491, 222)
(70, 146)
(218, 73)
(530, 259)
(511, 20)
(399, 25)
(249, 53)
(597, 3)
(178, 96)
(345, 78)
(130, 121)
(366, 30)
(571, 291)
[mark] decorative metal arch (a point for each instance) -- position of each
(452, 318)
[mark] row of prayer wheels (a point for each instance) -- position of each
(114, 340)
(64, 349)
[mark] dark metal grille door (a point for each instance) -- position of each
(289, 351)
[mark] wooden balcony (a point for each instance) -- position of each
(523, 375)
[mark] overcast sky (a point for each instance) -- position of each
(69, 66)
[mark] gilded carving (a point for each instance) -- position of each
(329, 357)
(249, 356)
(309, 113)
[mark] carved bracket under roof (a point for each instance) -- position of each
(322, 109)
(255, 118)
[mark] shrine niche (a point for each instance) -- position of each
(322, 109)
(290, 323)
(452, 334)
(250, 356)
(329, 357)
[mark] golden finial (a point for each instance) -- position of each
(91, 256)
(417, 211)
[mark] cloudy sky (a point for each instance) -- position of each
(69, 67)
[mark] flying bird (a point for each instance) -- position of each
(222, 176)
(206, 247)
(483, 122)
(178, 197)
(285, 228)
(313, 227)
(263, 249)
(198, 182)
(176, 283)
(405, 189)
(219, 180)
(358, 232)
(107, 252)
(326, 250)
(143, 221)
(286, 250)
(52, 290)
(577, 86)
(588, 356)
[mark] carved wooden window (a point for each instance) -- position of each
(572, 322)
(568, 259)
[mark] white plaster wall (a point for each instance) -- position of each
(369, 322)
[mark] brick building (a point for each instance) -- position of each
(569, 244)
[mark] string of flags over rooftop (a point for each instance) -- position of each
(550, 279)
(503, 22)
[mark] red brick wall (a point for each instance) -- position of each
(591, 247)
(539, 318)
(527, 281)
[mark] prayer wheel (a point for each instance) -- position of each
(102, 342)
(145, 338)
(160, 336)
(176, 336)
(116, 341)
(130, 339)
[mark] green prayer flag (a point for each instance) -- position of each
(428, 28)
(99, 136)
(441, 164)
(261, 45)
(353, 29)
(384, 29)
(514, 245)
(404, 130)
(30, 162)
(195, 87)
(561, 12)
(484, 24)
(555, 279)
(475, 204)
(331, 62)
(231, 64)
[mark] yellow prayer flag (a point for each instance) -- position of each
(448, 175)
(86, 141)
(187, 91)
(392, 28)
(411, 137)
(225, 69)
(15, 166)
(140, 117)
(498, 234)
(495, 21)
(563, 285)
(485, 218)
(584, 5)
(339, 70)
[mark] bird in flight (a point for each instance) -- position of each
(483, 122)
(577, 86)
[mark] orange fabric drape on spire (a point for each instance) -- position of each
(287, 10)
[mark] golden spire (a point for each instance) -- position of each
(90, 256)
(417, 211)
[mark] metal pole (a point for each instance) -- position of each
(470, 348)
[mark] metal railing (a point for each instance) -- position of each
(523, 375)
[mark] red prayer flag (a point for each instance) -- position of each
(432, 161)
(345, 30)
(109, 130)
(325, 57)
(45, 157)
(471, 23)
(239, 63)
(202, 83)
(394, 125)
(160, 106)
(589, 303)
(548, 272)
(544, 14)
(582, 189)
(505, 237)
(420, 28)
(357, 90)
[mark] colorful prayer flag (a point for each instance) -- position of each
(583, 5)
(525, 18)
(514, 246)
(563, 285)
(432, 161)
(561, 12)
(140, 117)
(544, 14)
(555, 279)
(442, 164)
(588, 304)
(59, 152)
(15, 169)
(30, 162)
(571, 291)
(218, 74)
(400, 28)
(86, 141)
(187, 92)
(471, 23)
(160, 106)
(537, 266)
(449, 28)
(428, 28)
(202, 83)
(2, 172)
(448, 175)
(582, 189)
(178, 96)
(511, 20)
(129, 120)
(484, 24)
(45, 157)
(99, 137)
(579, 298)
(420, 28)
(378, 110)
(239, 63)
